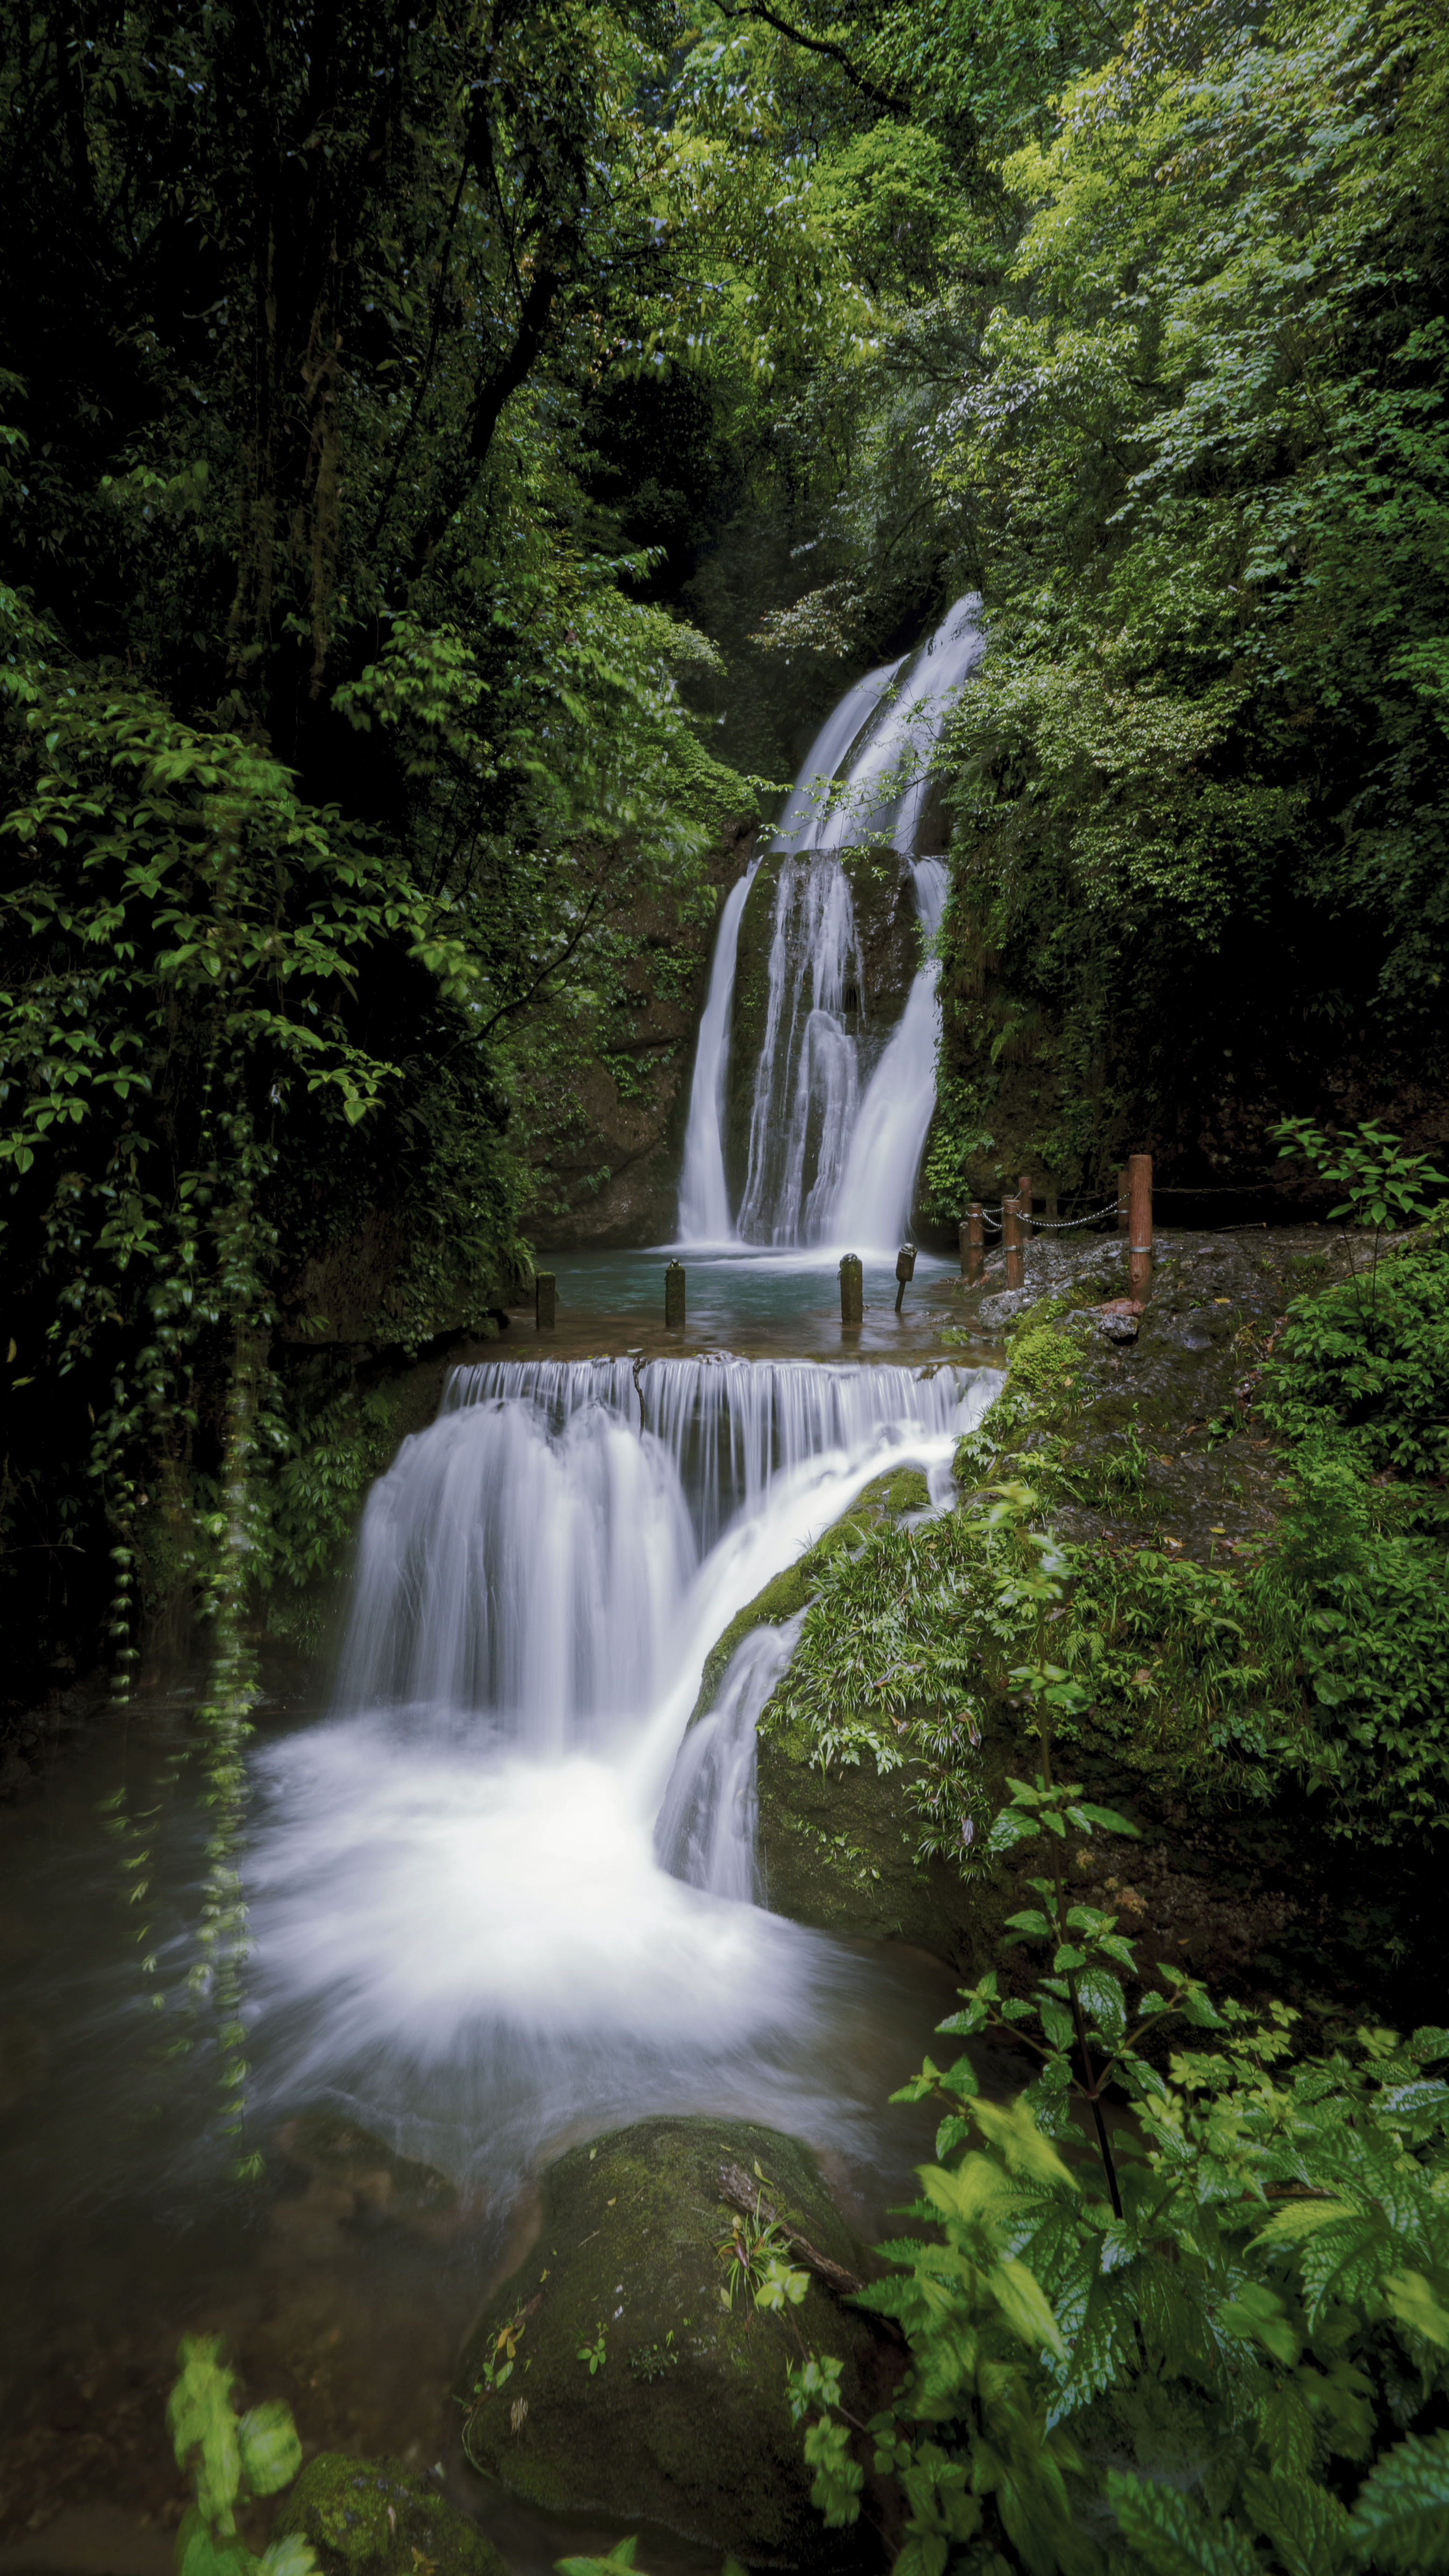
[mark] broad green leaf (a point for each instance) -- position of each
(292, 2555)
(1018, 2295)
(1307, 2526)
(1401, 2514)
(1172, 2535)
(1413, 2302)
(271, 2451)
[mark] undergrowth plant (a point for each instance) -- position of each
(232, 2458)
(1213, 2336)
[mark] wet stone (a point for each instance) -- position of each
(375, 2518)
(683, 2418)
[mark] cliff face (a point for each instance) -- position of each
(886, 927)
(609, 1139)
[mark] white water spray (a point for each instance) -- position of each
(704, 1206)
(457, 1891)
(873, 1204)
(833, 1158)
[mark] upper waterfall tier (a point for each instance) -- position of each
(814, 1078)
(868, 771)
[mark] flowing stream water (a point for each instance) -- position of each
(833, 1158)
(490, 1867)
(502, 1894)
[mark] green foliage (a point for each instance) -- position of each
(1386, 1186)
(1245, 2295)
(755, 2255)
(232, 2458)
(889, 1666)
(1377, 1370)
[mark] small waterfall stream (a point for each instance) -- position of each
(832, 1159)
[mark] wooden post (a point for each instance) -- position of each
(1139, 1240)
(1122, 1209)
(674, 1294)
(973, 1244)
(545, 1289)
(1011, 1227)
(905, 1271)
(852, 1289)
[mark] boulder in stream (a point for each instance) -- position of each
(632, 2388)
(375, 2518)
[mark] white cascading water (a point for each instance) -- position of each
(466, 1933)
(704, 1205)
(807, 1082)
(873, 1203)
(832, 1158)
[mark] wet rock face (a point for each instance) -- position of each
(375, 2518)
(683, 2419)
(607, 1140)
(837, 1851)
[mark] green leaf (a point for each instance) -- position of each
(1413, 2302)
(292, 2555)
(619, 2562)
(1306, 2525)
(1019, 2297)
(200, 2553)
(271, 2450)
(1172, 2535)
(1107, 1818)
(1400, 2518)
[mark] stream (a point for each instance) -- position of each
(501, 1899)
(501, 1895)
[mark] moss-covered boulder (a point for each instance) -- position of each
(374, 2518)
(837, 1849)
(608, 2375)
(892, 1496)
(838, 1845)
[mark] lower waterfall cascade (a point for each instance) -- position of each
(832, 1159)
(506, 1863)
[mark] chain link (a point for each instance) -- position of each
(1055, 1224)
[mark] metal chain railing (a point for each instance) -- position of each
(1053, 1224)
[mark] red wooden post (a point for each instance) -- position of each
(1011, 1226)
(973, 1245)
(1139, 1239)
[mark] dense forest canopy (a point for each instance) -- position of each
(450, 462)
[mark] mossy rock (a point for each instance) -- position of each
(686, 2422)
(887, 1497)
(838, 1846)
(838, 1851)
(374, 2518)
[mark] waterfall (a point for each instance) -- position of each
(873, 1206)
(504, 1884)
(727, 1427)
(833, 1155)
(706, 1828)
(806, 1084)
(704, 1207)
